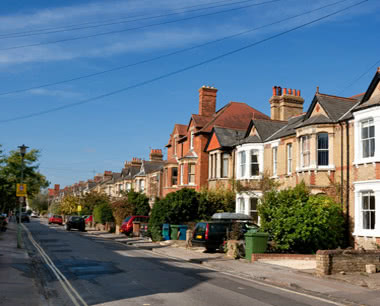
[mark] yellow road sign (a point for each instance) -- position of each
(21, 190)
(79, 208)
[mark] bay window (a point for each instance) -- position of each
(254, 162)
(368, 210)
(191, 173)
(242, 163)
(289, 158)
(225, 164)
(253, 209)
(274, 157)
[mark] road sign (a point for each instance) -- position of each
(21, 190)
(79, 208)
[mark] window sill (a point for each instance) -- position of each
(316, 168)
(256, 177)
(274, 177)
(365, 161)
(366, 233)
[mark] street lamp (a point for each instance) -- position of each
(22, 153)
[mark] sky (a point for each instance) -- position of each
(93, 124)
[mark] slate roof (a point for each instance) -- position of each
(228, 137)
(334, 106)
(317, 119)
(266, 128)
(288, 129)
(373, 101)
(149, 167)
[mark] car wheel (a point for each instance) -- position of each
(49, 222)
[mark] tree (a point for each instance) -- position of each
(90, 200)
(103, 213)
(39, 202)
(139, 202)
(300, 222)
(10, 175)
(121, 209)
(69, 204)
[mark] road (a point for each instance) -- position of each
(104, 272)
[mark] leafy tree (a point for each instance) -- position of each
(158, 217)
(39, 202)
(69, 205)
(121, 209)
(214, 200)
(10, 175)
(103, 213)
(92, 199)
(300, 222)
(139, 202)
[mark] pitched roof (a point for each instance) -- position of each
(334, 106)
(228, 137)
(148, 166)
(368, 99)
(266, 128)
(180, 129)
(317, 119)
(200, 121)
(288, 129)
(234, 115)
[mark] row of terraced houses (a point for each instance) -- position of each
(331, 146)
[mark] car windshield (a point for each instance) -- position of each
(127, 219)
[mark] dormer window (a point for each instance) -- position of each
(368, 138)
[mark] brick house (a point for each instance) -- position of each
(187, 161)
(332, 148)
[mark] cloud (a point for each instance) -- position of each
(175, 35)
(56, 93)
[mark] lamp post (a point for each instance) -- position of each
(22, 153)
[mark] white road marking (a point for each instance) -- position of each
(61, 278)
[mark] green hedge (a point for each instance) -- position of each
(103, 213)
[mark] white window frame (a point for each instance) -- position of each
(254, 210)
(225, 157)
(257, 153)
(190, 174)
(191, 140)
(289, 158)
(181, 169)
(323, 150)
(241, 205)
(369, 123)
(274, 160)
(304, 153)
(360, 189)
(242, 163)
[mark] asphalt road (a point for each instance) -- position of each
(105, 272)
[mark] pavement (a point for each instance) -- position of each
(19, 278)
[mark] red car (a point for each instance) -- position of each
(127, 225)
(56, 219)
(89, 219)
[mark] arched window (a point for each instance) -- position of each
(323, 149)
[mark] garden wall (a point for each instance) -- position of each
(335, 261)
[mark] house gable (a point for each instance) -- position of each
(213, 144)
(318, 110)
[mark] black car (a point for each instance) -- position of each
(24, 217)
(76, 222)
(213, 234)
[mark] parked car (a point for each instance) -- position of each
(56, 219)
(213, 234)
(76, 222)
(127, 225)
(89, 219)
(24, 217)
(34, 215)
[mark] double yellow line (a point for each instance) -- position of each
(71, 292)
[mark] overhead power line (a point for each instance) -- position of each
(138, 27)
(213, 59)
(170, 53)
(63, 27)
(122, 20)
(360, 76)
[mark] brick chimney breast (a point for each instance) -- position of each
(156, 155)
(207, 101)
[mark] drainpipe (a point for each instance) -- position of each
(233, 169)
(348, 181)
(341, 165)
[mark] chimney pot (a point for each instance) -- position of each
(298, 93)
(274, 90)
(294, 92)
(284, 92)
(317, 89)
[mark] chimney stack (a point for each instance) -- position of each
(207, 101)
(285, 103)
(56, 187)
(156, 155)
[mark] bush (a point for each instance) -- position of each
(158, 217)
(140, 203)
(103, 213)
(300, 222)
(216, 200)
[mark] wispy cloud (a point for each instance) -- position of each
(56, 93)
(173, 36)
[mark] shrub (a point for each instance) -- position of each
(120, 210)
(158, 217)
(103, 213)
(90, 200)
(214, 200)
(300, 222)
(139, 202)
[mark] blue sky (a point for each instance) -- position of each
(79, 141)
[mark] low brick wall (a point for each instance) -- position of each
(334, 261)
(271, 256)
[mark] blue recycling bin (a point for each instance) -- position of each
(182, 230)
(166, 231)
